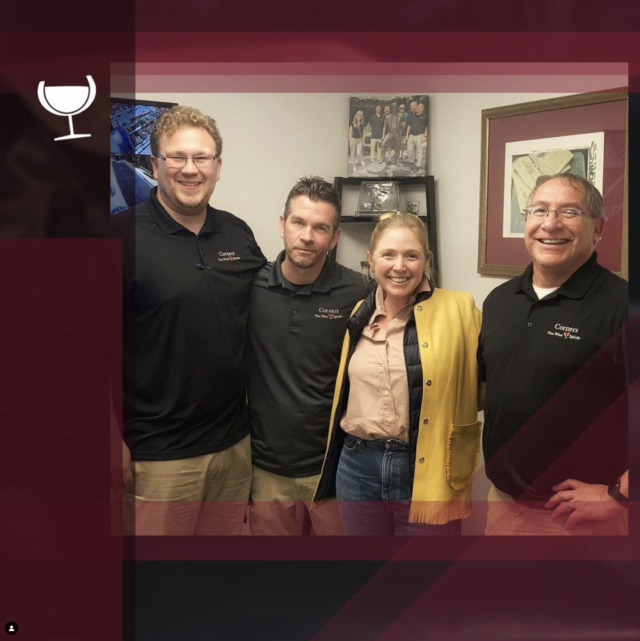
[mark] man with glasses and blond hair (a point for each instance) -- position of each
(552, 359)
(188, 269)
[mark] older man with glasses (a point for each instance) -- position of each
(187, 278)
(552, 356)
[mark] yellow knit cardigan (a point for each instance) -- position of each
(448, 447)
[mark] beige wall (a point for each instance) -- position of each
(270, 140)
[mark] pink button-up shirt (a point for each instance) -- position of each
(378, 405)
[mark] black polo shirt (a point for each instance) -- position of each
(377, 124)
(185, 331)
(418, 123)
(555, 370)
(295, 338)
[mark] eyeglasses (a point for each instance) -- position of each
(566, 215)
(178, 162)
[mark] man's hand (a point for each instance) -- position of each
(127, 476)
(582, 501)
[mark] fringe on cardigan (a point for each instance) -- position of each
(438, 512)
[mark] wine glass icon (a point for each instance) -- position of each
(67, 101)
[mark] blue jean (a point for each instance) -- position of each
(374, 490)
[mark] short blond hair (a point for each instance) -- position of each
(182, 116)
(409, 221)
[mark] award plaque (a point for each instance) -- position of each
(378, 198)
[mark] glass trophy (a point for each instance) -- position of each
(378, 198)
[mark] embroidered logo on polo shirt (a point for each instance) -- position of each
(324, 312)
(224, 256)
(568, 333)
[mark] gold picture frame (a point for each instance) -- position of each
(567, 117)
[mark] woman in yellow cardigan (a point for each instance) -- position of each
(404, 439)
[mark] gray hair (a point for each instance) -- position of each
(595, 205)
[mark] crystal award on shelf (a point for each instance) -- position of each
(377, 198)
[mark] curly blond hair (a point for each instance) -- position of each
(182, 116)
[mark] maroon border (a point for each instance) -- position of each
(609, 117)
(30, 46)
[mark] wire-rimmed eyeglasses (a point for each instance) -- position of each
(566, 214)
(178, 162)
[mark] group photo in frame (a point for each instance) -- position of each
(387, 136)
(584, 134)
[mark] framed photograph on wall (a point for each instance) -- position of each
(585, 134)
(387, 136)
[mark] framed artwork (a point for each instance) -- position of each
(585, 134)
(387, 136)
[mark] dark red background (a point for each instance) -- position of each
(62, 570)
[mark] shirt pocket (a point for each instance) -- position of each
(463, 453)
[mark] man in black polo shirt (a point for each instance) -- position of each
(552, 356)
(188, 271)
(376, 122)
(300, 304)
(416, 134)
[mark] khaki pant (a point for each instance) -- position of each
(279, 505)
(376, 149)
(415, 142)
(506, 517)
(203, 495)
